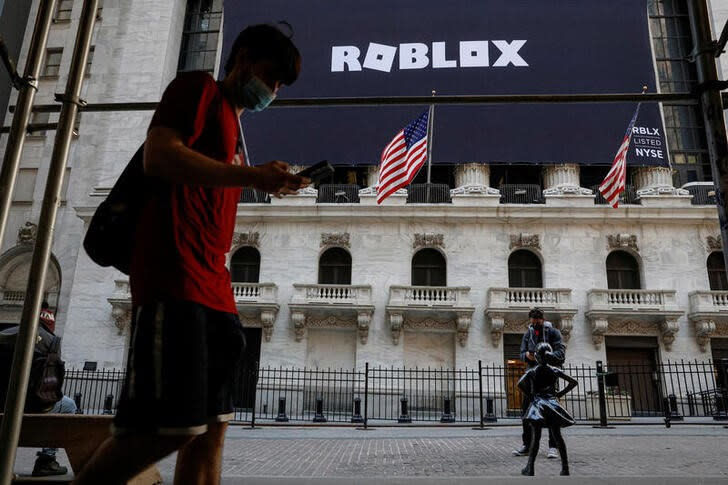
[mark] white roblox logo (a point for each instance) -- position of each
(380, 57)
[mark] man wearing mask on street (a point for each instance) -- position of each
(186, 335)
(539, 331)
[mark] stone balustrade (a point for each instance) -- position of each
(255, 292)
(709, 315)
(429, 296)
(332, 294)
(620, 311)
(513, 304)
(17, 298)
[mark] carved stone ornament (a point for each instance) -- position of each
(330, 321)
(525, 241)
(428, 324)
(474, 189)
(721, 330)
(599, 327)
(298, 318)
(704, 329)
(715, 243)
(428, 240)
(335, 239)
(668, 328)
(363, 320)
(463, 327)
(515, 326)
(632, 327)
(565, 325)
(246, 239)
(395, 323)
(27, 234)
(267, 318)
(372, 191)
(621, 241)
(249, 321)
(497, 324)
(121, 317)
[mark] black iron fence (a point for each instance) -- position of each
(611, 393)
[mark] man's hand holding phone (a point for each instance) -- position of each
(274, 178)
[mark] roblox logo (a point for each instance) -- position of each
(471, 53)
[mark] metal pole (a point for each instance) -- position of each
(429, 143)
(10, 431)
(711, 103)
(480, 391)
(21, 118)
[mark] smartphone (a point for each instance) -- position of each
(317, 172)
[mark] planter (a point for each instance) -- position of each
(619, 407)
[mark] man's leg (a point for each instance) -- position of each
(46, 464)
(199, 462)
(119, 459)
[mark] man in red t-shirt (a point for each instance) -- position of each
(186, 336)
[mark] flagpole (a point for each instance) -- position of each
(429, 142)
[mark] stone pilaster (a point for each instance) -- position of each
(656, 181)
(563, 179)
(473, 178)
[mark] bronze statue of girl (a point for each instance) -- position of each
(539, 384)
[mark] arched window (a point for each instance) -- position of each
(429, 268)
(245, 265)
(716, 271)
(623, 272)
(335, 267)
(524, 270)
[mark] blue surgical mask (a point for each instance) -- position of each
(255, 95)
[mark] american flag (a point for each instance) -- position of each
(403, 157)
(613, 184)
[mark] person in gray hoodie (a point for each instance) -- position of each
(539, 331)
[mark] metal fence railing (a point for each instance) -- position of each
(521, 194)
(703, 192)
(629, 196)
(250, 195)
(668, 390)
(338, 194)
(428, 194)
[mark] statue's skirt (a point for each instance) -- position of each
(547, 412)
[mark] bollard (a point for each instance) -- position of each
(356, 417)
(282, 418)
(674, 413)
(666, 407)
(77, 400)
(447, 416)
(602, 397)
(108, 402)
(319, 417)
(404, 417)
(490, 411)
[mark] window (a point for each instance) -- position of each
(670, 28)
(335, 267)
(40, 118)
(200, 36)
(716, 271)
(623, 272)
(245, 265)
(63, 11)
(429, 268)
(52, 62)
(25, 185)
(89, 60)
(524, 270)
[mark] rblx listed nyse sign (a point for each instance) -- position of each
(368, 48)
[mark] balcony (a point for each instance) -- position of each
(633, 312)
(331, 306)
(507, 309)
(257, 305)
(521, 194)
(428, 194)
(338, 194)
(709, 316)
(433, 308)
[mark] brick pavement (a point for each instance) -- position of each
(335, 455)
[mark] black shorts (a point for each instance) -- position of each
(182, 360)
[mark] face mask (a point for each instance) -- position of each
(255, 95)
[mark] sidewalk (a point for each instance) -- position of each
(633, 455)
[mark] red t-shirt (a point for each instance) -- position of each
(186, 230)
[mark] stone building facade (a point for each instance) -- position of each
(338, 283)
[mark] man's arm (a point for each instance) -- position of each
(558, 349)
(524, 346)
(167, 157)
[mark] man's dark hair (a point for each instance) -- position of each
(535, 313)
(266, 42)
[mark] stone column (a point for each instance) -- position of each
(372, 176)
(563, 179)
(655, 181)
(473, 178)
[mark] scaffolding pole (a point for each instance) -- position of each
(71, 99)
(21, 117)
(712, 108)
